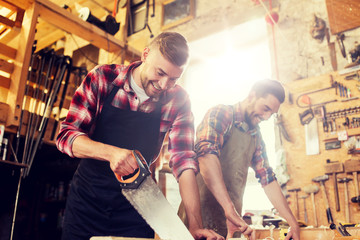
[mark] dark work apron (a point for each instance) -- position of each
(95, 205)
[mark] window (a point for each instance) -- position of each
(222, 69)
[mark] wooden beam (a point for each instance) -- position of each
(68, 22)
(49, 39)
(10, 35)
(18, 78)
(8, 5)
(19, 17)
(5, 82)
(23, 4)
(6, 21)
(5, 66)
(7, 51)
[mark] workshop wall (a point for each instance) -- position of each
(298, 54)
(301, 167)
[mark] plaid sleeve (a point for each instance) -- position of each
(212, 130)
(181, 138)
(84, 107)
(260, 162)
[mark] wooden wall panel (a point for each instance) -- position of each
(303, 168)
(343, 15)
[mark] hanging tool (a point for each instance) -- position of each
(321, 180)
(306, 116)
(332, 50)
(49, 57)
(333, 168)
(345, 180)
(312, 92)
(303, 197)
(282, 129)
(62, 98)
(340, 39)
(30, 70)
(353, 166)
(312, 190)
(296, 190)
(64, 62)
(146, 197)
(33, 107)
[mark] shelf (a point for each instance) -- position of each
(71, 23)
(331, 136)
(10, 164)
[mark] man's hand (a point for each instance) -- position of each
(293, 233)
(235, 223)
(122, 161)
(208, 234)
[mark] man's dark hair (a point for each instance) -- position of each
(264, 87)
(173, 46)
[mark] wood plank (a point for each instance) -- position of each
(18, 80)
(5, 66)
(68, 22)
(19, 17)
(8, 5)
(343, 15)
(302, 167)
(49, 39)
(4, 82)
(4, 108)
(7, 51)
(6, 21)
(119, 238)
(23, 4)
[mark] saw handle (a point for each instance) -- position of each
(134, 180)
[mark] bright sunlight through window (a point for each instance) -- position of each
(222, 69)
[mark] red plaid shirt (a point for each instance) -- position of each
(213, 132)
(176, 115)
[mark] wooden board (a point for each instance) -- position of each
(118, 238)
(343, 15)
(303, 168)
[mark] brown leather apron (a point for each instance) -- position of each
(235, 159)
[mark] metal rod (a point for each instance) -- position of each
(48, 110)
(25, 96)
(16, 204)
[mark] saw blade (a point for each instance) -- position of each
(152, 205)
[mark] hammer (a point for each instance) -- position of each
(321, 180)
(312, 190)
(345, 180)
(296, 200)
(354, 167)
(333, 168)
(303, 197)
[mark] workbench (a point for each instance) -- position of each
(306, 234)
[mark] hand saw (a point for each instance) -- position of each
(145, 196)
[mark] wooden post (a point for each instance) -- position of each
(18, 78)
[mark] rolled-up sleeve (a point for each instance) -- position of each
(260, 163)
(211, 131)
(82, 112)
(181, 141)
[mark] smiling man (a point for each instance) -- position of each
(228, 143)
(117, 109)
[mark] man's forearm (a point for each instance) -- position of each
(84, 147)
(190, 196)
(276, 197)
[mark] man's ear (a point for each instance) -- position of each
(145, 53)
